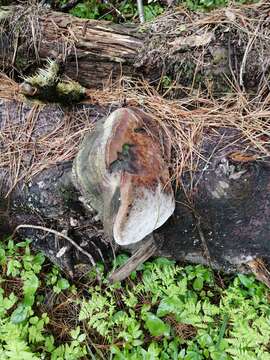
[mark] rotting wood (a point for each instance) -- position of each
(217, 51)
(95, 50)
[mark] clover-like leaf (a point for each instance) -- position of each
(156, 326)
(20, 314)
(169, 305)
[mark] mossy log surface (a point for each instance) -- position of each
(228, 47)
(225, 223)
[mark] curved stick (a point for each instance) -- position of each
(147, 250)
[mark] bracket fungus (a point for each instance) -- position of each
(122, 173)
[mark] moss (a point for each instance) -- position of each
(45, 85)
(70, 90)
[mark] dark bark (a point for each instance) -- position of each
(223, 222)
(209, 51)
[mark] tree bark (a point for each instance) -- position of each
(224, 222)
(217, 51)
(95, 51)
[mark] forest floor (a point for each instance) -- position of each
(162, 311)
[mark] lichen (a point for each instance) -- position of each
(45, 77)
(71, 90)
(4, 13)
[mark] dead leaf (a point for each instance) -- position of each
(242, 157)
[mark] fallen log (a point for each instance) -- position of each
(228, 48)
(222, 205)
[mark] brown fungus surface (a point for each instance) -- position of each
(122, 171)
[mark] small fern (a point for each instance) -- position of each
(164, 311)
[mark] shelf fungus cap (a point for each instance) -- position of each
(121, 170)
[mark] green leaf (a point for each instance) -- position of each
(13, 267)
(245, 280)
(63, 284)
(22, 244)
(6, 304)
(169, 305)
(198, 284)
(156, 326)
(154, 349)
(81, 338)
(20, 314)
(75, 333)
(193, 355)
(49, 343)
(205, 340)
(30, 287)
(219, 355)
(10, 246)
(120, 260)
(2, 256)
(163, 261)
(37, 262)
(137, 342)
